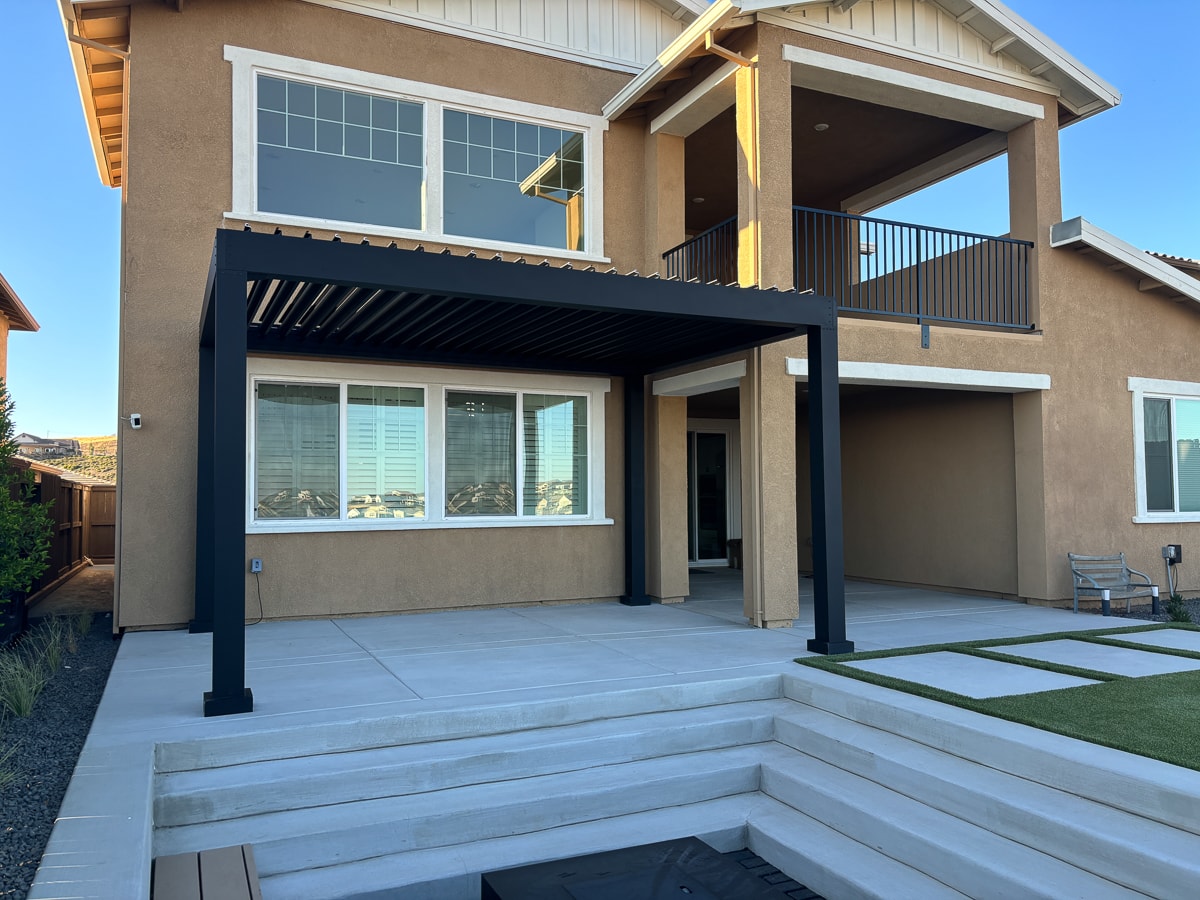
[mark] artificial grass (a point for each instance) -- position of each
(1156, 716)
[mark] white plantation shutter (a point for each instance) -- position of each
(481, 453)
(556, 466)
(385, 451)
(296, 438)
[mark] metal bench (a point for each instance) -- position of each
(1109, 576)
(225, 874)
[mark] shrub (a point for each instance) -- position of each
(7, 773)
(22, 678)
(47, 643)
(83, 622)
(24, 525)
(1177, 610)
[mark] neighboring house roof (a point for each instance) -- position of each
(1156, 275)
(1030, 53)
(14, 310)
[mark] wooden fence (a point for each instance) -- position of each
(84, 513)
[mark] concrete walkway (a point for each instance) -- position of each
(90, 589)
(352, 670)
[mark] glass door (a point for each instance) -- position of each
(708, 497)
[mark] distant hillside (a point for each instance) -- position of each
(105, 445)
(97, 465)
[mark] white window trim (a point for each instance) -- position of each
(435, 382)
(247, 64)
(1141, 388)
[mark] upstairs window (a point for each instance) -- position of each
(327, 147)
(332, 154)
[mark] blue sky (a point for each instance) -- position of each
(1133, 171)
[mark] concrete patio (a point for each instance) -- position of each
(319, 678)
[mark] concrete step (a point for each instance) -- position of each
(452, 872)
(247, 789)
(365, 732)
(1113, 844)
(965, 856)
(1143, 787)
(328, 835)
(832, 864)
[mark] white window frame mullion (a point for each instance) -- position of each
(434, 172)
(519, 493)
(343, 450)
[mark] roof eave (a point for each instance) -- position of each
(11, 307)
(1078, 233)
(85, 92)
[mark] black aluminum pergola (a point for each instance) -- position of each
(293, 296)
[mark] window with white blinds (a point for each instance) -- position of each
(1166, 428)
(296, 451)
(362, 454)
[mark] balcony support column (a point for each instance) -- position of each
(764, 138)
(666, 499)
(1035, 196)
(770, 573)
(666, 197)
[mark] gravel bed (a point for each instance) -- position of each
(48, 744)
(1146, 612)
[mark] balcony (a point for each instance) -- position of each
(876, 267)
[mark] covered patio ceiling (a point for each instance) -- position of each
(299, 296)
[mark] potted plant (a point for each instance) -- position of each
(24, 530)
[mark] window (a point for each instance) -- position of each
(1167, 445)
(428, 455)
(333, 154)
(330, 147)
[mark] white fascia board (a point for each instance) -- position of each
(1079, 231)
(980, 150)
(701, 104)
(702, 381)
(895, 375)
(1055, 55)
(85, 92)
(691, 38)
(902, 90)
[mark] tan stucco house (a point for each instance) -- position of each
(431, 304)
(13, 317)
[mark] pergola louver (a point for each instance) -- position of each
(276, 294)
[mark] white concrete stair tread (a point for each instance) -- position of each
(322, 836)
(358, 732)
(1169, 638)
(453, 870)
(1146, 787)
(208, 795)
(1103, 658)
(963, 855)
(832, 864)
(970, 676)
(1162, 861)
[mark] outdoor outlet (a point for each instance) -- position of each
(1173, 554)
(255, 566)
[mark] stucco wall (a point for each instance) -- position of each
(928, 487)
(178, 184)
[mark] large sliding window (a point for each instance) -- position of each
(357, 453)
(1168, 449)
(325, 146)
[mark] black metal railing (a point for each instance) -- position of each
(709, 256)
(878, 267)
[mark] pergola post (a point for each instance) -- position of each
(825, 474)
(635, 492)
(227, 535)
(202, 621)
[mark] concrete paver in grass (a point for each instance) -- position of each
(1102, 658)
(971, 676)
(1170, 638)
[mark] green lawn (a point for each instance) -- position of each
(1157, 716)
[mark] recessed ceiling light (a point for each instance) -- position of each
(697, 199)
(821, 126)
